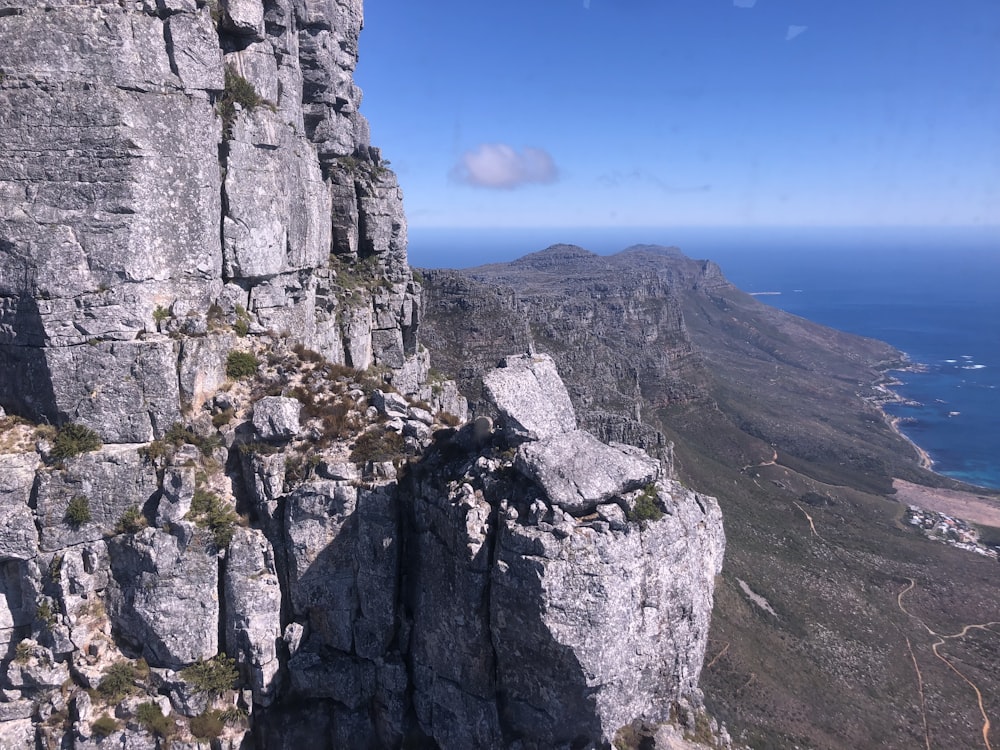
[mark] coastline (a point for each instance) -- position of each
(885, 395)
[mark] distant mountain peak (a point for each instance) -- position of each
(669, 251)
(555, 255)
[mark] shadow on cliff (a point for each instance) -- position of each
(468, 601)
(25, 379)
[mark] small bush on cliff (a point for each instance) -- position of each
(241, 365)
(131, 522)
(104, 727)
(118, 682)
(377, 446)
(209, 512)
(207, 725)
(151, 717)
(78, 511)
(214, 677)
(160, 314)
(74, 439)
(239, 91)
(646, 508)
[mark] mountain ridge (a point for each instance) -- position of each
(780, 418)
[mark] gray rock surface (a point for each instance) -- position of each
(530, 397)
(276, 418)
(164, 599)
(111, 480)
(18, 534)
(93, 246)
(578, 471)
(253, 610)
(153, 216)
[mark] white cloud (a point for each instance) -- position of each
(794, 31)
(499, 166)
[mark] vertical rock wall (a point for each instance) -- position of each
(288, 556)
(165, 166)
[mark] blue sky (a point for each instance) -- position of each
(605, 113)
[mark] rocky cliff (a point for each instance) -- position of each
(779, 418)
(174, 170)
(236, 509)
(615, 327)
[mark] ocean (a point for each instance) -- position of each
(932, 293)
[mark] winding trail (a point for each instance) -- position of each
(920, 688)
(718, 656)
(941, 639)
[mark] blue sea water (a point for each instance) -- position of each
(933, 293)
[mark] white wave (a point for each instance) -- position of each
(974, 367)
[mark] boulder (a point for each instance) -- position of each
(530, 397)
(578, 472)
(164, 599)
(253, 610)
(276, 418)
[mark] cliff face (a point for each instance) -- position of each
(235, 509)
(174, 168)
(614, 327)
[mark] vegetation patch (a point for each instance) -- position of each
(118, 681)
(646, 507)
(377, 445)
(150, 717)
(22, 652)
(46, 613)
(132, 521)
(160, 315)
(78, 511)
(209, 512)
(213, 677)
(72, 440)
(179, 435)
(238, 91)
(207, 725)
(241, 365)
(104, 727)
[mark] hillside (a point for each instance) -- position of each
(811, 644)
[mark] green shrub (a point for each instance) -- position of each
(377, 446)
(131, 522)
(209, 512)
(74, 439)
(241, 365)
(178, 435)
(22, 652)
(118, 682)
(45, 613)
(214, 677)
(78, 511)
(646, 508)
(240, 91)
(150, 717)
(155, 451)
(235, 715)
(222, 418)
(160, 314)
(208, 725)
(104, 726)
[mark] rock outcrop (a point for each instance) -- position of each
(237, 511)
(632, 358)
(183, 169)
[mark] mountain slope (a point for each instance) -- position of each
(778, 418)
